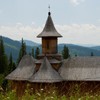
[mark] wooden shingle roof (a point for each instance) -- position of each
(81, 69)
(46, 74)
(25, 69)
(72, 69)
(49, 29)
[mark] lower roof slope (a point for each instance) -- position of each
(72, 69)
(25, 69)
(46, 74)
(81, 69)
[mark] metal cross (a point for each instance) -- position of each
(49, 8)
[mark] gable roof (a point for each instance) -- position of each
(24, 70)
(49, 29)
(81, 69)
(46, 73)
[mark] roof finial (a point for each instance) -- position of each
(49, 10)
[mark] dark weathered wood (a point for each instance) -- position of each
(19, 87)
(49, 45)
(61, 88)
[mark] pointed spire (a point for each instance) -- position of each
(49, 29)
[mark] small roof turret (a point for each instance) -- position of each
(46, 74)
(49, 29)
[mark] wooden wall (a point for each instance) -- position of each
(49, 45)
(19, 87)
(62, 88)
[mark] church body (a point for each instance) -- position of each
(50, 67)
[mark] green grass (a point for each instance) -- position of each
(44, 96)
(50, 95)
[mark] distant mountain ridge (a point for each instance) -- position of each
(96, 48)
(31, 43)
(79, 50)
(12, 46)
(87, 45)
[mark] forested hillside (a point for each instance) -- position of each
(12, 46)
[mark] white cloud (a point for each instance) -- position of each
(19, 31)
(76, 2)
(80, 33)
(74, 33)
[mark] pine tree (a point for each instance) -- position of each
(37, 52)
(32, 52)
(92, 54)
(2, 52)
(12, 65)
(75, 55)
(3, 57)
(65, 52)
(22, 51)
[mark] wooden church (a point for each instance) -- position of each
(50, 68)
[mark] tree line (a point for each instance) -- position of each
(7, 64)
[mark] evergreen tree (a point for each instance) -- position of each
(12, 65)
(92, 54)
(22, 51)
(3, 57)
(32, 52)
(65, 52)
(75, 55)
(2, 52)
(37, 52)
(10, 60)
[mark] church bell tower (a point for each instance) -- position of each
(49, 37)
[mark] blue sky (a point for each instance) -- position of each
(77, 20)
